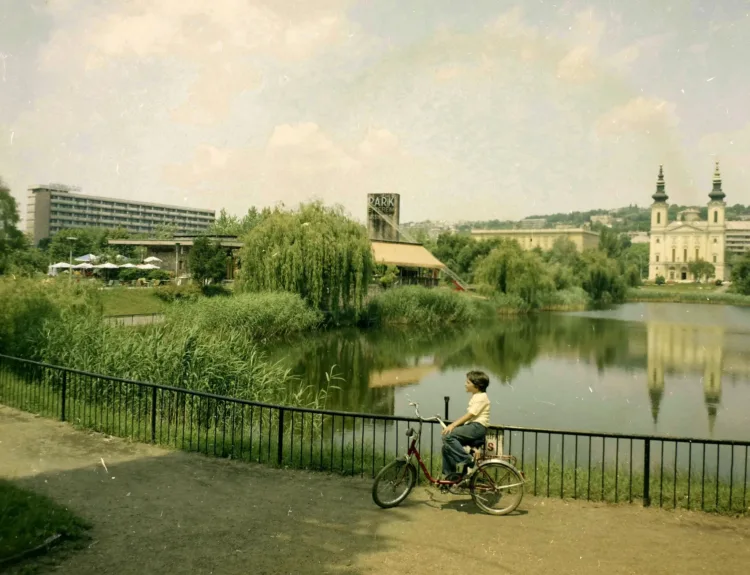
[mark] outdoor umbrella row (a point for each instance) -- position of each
(104, 266)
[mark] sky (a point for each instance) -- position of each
(470, 110)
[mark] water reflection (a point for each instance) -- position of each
(580, 371)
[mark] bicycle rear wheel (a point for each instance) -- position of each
(393, 483)
(496, 488)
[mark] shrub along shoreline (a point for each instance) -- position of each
(674, 296)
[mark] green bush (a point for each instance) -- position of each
(601, 278)
(510, 270)
(660, 281)
(426, 306)
(213, 290)
(27, 307)
(159, 275)
(173, 292)
(131, 274)
(567, 299)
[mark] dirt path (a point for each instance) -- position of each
(157, 511)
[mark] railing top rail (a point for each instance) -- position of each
(119, 315)
(207, 395)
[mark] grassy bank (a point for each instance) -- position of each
(572, 299)
(416, 305)
(210, 344)
(671, 295)
(135, 301)
(28, 520)
(256, 316)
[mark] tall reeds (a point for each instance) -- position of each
(212, 344)
(424, 306)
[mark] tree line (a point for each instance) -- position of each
(630, 218)
(320, 253)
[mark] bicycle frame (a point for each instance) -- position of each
(412, 451)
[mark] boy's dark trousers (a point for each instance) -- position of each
(453, 445)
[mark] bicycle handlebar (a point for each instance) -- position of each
(436, 418)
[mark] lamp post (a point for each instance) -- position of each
(176, 261)
(70, 261)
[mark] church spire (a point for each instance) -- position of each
(655, 395)
(717, 194)
(711, 418)
(660, 195)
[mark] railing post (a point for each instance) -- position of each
(447, 401)
(153, 414)
(280, 455)
(647, 473)
(64, 394)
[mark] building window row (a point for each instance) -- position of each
(103, 204)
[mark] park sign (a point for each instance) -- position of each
(383, 216)
(385, 203)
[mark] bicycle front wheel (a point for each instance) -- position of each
(393, 483)
(496, 488)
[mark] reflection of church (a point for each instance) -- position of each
(676, 348)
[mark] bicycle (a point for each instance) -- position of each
(480, 483)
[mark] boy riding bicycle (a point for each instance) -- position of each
(469, 428)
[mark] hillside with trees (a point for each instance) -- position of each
(634, 218)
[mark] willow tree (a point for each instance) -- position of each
(316, 252)
(511, 270)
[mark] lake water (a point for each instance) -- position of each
(658, 368)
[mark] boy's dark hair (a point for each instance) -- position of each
(479, 379)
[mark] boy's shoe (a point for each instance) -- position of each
(470, 469)
(467, 470)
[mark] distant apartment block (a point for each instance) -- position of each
(544, 239)
(738, 237)
(54, 207)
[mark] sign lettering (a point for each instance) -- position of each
(385, 203)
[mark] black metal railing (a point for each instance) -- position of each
(669, 471)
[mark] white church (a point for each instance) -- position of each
(675, 244)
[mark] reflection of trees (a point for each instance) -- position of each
(354, 356)
(509, 346)
(503, 348)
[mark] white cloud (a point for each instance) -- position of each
(300, 162)
(235, 103)
(588, 29)
(222, 42)
(578, 64)
(511, 24)
(640, 114)
(643, 47)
